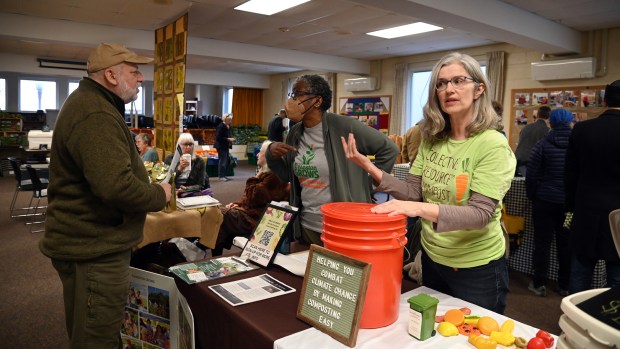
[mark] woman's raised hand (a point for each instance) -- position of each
(279, 149)
(361, 160)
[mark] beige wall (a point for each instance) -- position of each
(518, 74)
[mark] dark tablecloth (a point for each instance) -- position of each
(255, 325)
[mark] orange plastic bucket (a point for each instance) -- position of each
(351, 229)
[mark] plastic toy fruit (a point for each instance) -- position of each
(481, 342)
(504, 338)
(468, 330)
(546, 337)
(487, 324)
(447, 329)
(455, 316)
(536, 343)
(520, 342)
(472, 319)
(508, 326)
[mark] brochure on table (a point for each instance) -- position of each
(156, 314)
(210, 269)
(197, 201)
(251, 289)
(274, 225)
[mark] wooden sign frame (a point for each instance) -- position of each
(333, 294)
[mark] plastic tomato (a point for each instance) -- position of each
(468, 330)
(536, 343)
(546, 337)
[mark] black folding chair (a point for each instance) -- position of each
(21, 185)
(39, 190)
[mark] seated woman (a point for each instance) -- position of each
(147, 153)
(241, 217)
(191, 175)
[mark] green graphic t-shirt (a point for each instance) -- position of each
(450, 171)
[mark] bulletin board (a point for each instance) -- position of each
(373, 111)
(585, 102)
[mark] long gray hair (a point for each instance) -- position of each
(436, 124)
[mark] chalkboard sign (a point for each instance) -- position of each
(333, 293)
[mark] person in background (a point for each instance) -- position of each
(313, 161)
(241, 217)
(223, 144)
(499, 109)
(411, 143)
(99, 194)
(593, 191)
(191, 172)
(147, 153)
(275, 130)
(463, 169)
(529, 136)
(544, 185)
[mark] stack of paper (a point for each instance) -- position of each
(196, 201)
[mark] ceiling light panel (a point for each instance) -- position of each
(405, 30)
(269, 7)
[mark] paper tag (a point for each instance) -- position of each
(198, 277)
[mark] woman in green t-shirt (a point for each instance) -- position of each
(463, 169)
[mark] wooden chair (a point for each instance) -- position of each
(39, 190)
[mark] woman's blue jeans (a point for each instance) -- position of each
(485, 285)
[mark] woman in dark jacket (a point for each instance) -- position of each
(241, 217)
(191, 175)
(544, 184)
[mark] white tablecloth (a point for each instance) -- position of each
(396, 335)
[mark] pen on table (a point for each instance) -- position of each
(240, 261)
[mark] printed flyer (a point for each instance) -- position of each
(157, 315)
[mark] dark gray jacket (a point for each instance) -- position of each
(529, 136)
(348, 182)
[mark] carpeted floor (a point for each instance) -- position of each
(31, 310)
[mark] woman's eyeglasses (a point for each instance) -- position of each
(188, 144)
(458, 82)
(296, 94)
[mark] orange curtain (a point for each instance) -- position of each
(247, 106)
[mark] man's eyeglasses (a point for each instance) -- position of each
(296, 94)
(188, 144)
(458, 82)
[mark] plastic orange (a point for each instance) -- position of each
(455, 316)
(487, 324)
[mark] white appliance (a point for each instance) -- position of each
(562, 69)
(39, 140)
(360, 84)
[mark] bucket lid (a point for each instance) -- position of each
(357, 211)
(422, 301)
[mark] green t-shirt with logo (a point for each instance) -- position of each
(450, 171)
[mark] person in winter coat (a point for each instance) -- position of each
(544, 185)
(592, 192)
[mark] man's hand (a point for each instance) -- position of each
(167, 190)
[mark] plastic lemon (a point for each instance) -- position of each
(447, 329)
